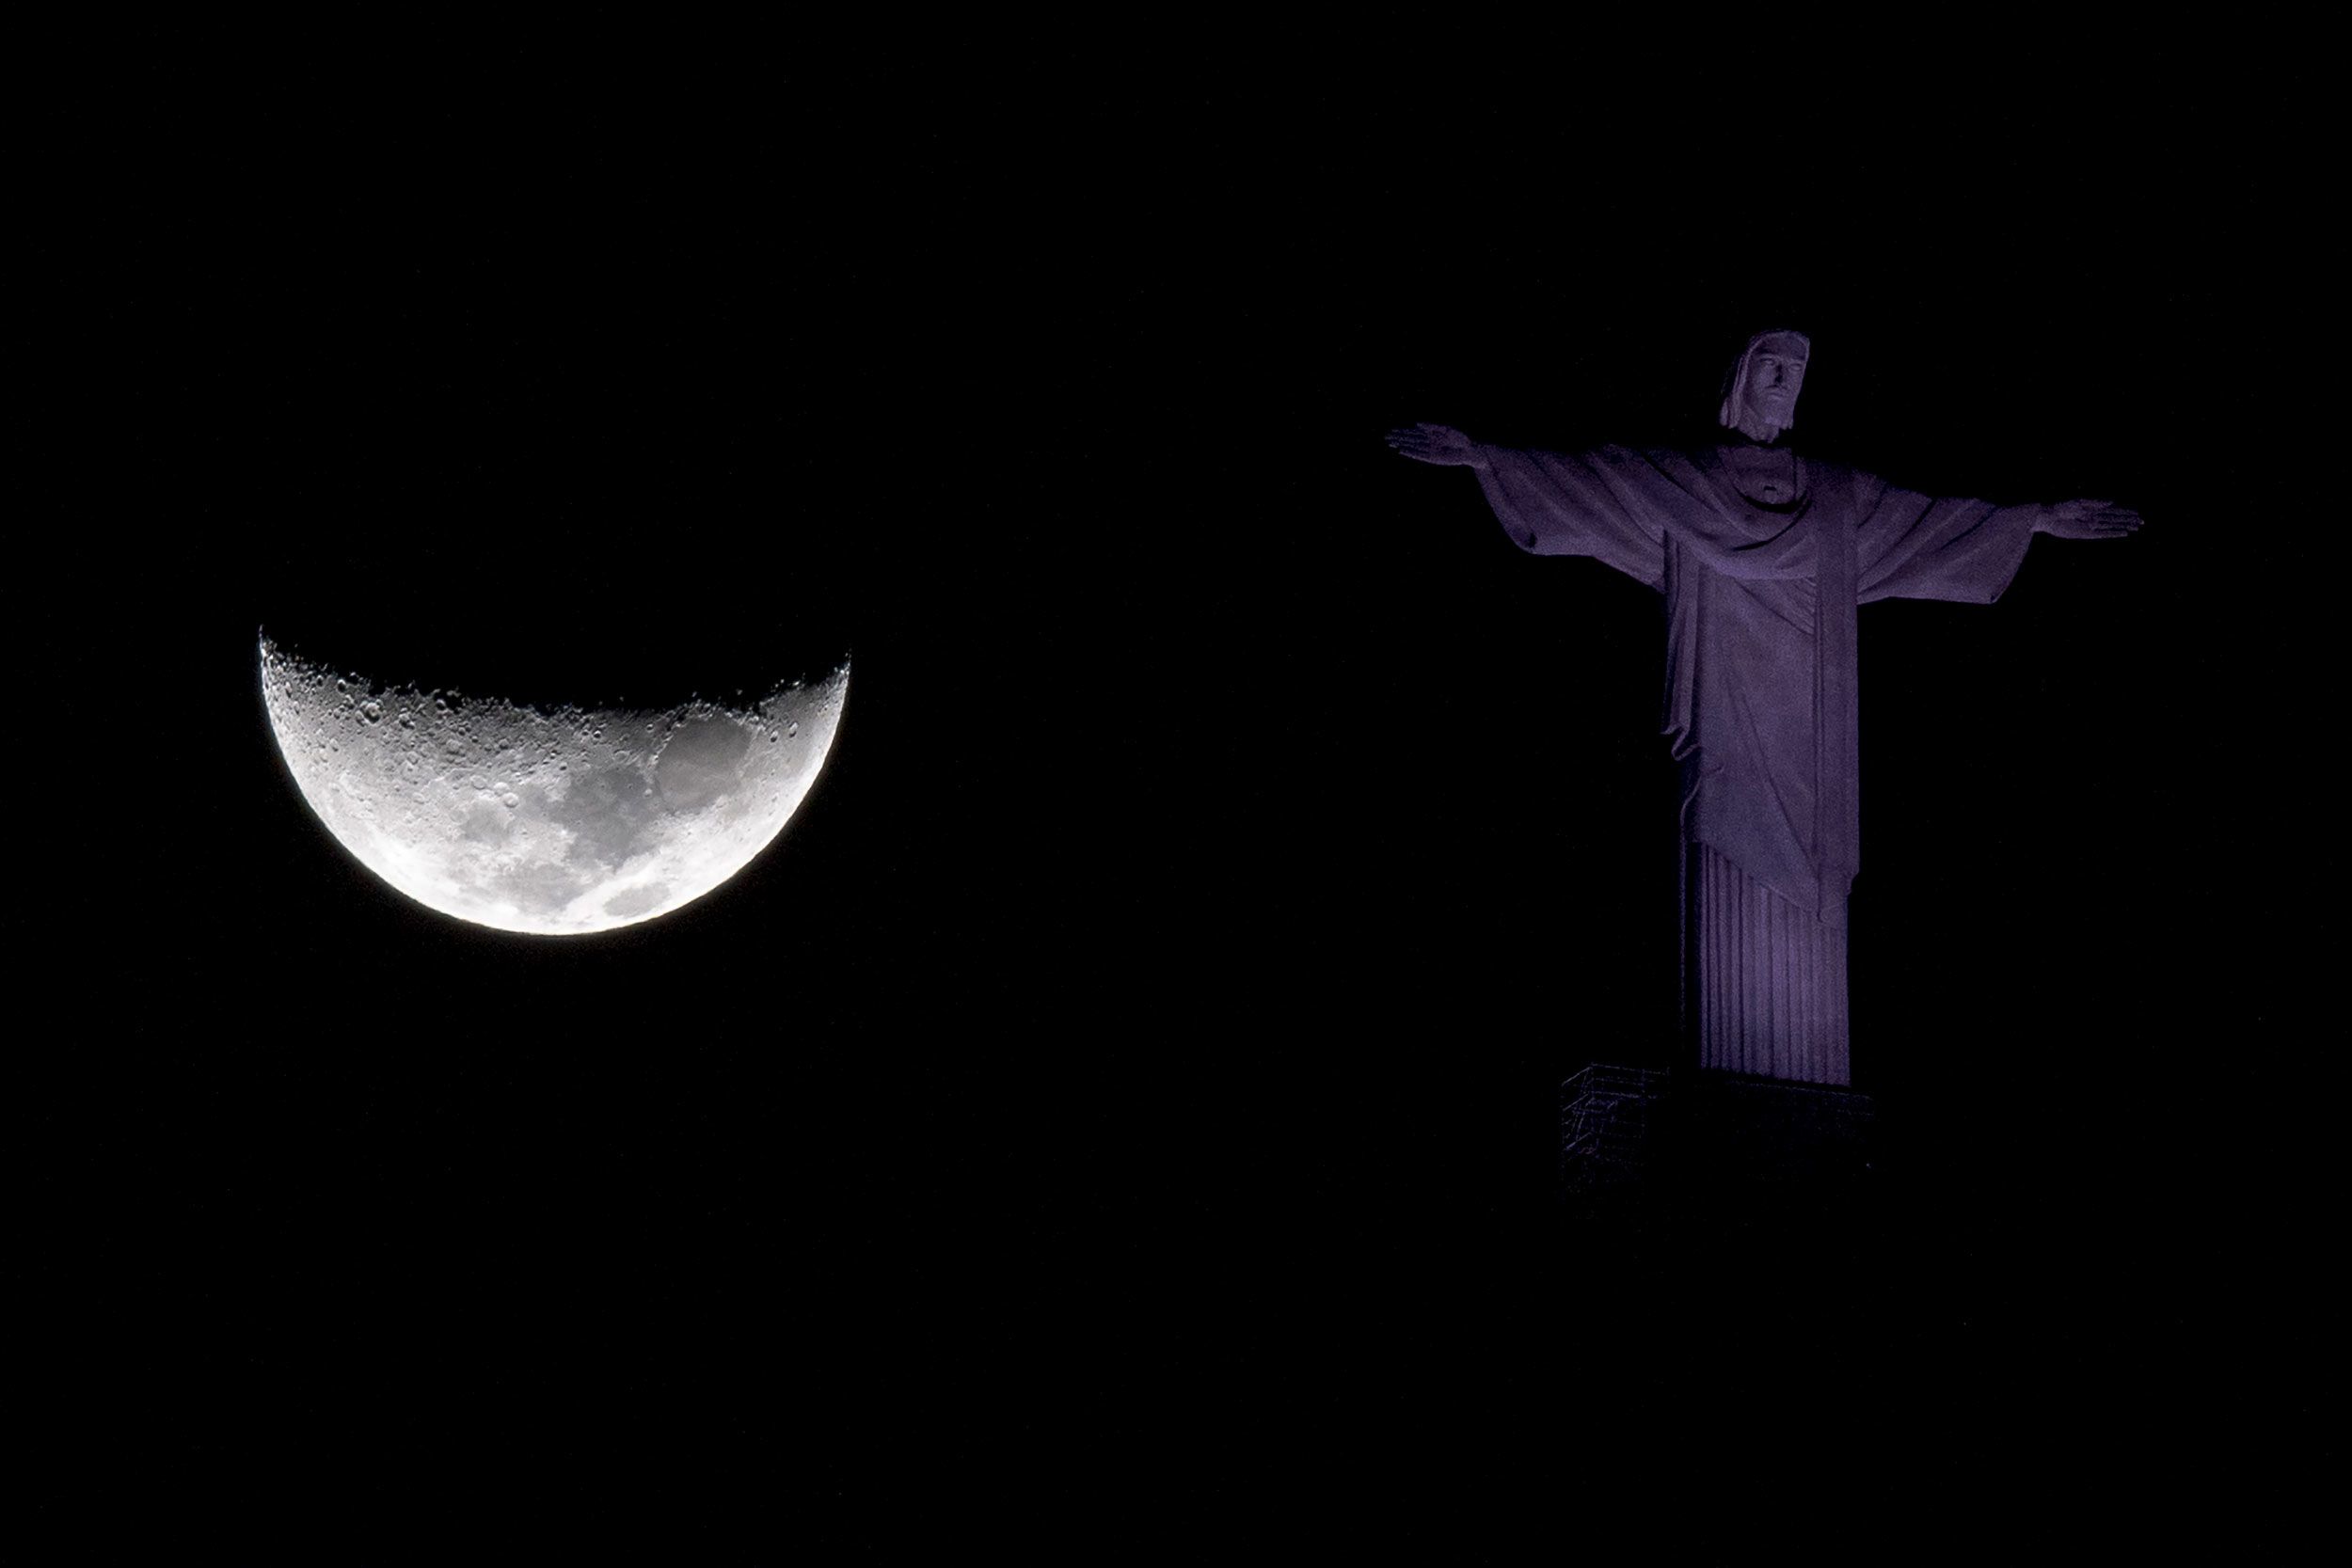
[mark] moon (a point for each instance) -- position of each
(552, 821)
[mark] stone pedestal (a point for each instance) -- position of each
(1701, 1133)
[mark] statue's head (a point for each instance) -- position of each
(1761, 396)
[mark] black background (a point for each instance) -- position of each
(1135, 1069)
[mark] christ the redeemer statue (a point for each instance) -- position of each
(1762, 555)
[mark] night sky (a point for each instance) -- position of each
(1135, 1069)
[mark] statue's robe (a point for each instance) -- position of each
(1762, 556)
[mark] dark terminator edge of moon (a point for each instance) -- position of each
(1762, 555)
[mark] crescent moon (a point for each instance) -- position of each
(554, 823)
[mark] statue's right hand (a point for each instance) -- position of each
(1440, 444)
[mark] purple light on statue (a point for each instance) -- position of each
(1762, 555)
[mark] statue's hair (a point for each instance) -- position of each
(1736, 378)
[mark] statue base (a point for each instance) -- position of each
(1632, 1128)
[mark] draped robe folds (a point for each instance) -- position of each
(1760, 671)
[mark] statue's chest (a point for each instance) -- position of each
(1765, 476)
(1752, 516)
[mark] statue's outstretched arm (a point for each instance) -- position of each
(1610, 504)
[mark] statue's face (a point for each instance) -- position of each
(1775, 375)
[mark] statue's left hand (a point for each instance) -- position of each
(2088, 519)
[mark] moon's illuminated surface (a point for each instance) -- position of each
(555, 821)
